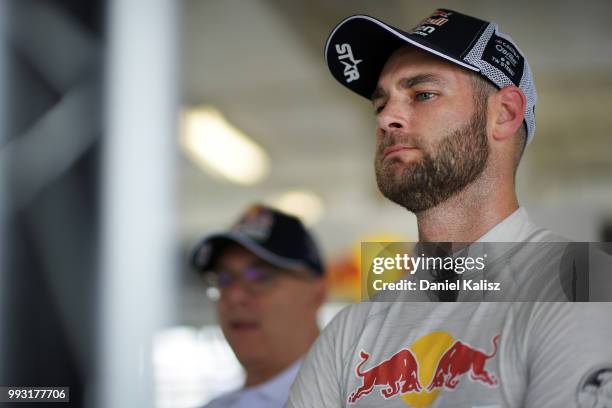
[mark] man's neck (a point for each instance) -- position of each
(468, 215)
(259, 373)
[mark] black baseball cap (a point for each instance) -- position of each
(278, 238)
(359, 46)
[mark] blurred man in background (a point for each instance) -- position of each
(269, 276)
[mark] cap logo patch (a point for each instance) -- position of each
(429, 25)
(503, 55)
(345, 56)
(255, 223)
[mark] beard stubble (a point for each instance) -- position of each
(445, 169)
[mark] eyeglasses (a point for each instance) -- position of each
(255, 279)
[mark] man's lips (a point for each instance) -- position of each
(396, 149)
(243, 325)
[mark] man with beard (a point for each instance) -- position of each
(454, 101)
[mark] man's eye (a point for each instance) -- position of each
(222, 279)
(259, 275)
(424, 96)
(378, 109)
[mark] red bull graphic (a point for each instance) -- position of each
(400, 372)
(436, 359)
(256, 222)
(460, 359)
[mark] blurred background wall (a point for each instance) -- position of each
(89, 113)
(50, 146)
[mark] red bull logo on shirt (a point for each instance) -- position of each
(399, 372)
(417, 374)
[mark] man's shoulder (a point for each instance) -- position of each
(352, 320)
(519, 227)
(358, 312)
(540, 234)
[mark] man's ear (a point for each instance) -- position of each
(509, 112)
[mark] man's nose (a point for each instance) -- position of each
(392, 117)
(236, 292)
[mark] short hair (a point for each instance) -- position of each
(483, 88)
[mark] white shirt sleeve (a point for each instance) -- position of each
(319, 381)
(566, 344)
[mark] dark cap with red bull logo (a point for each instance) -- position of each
(358, 47)
(278, 238)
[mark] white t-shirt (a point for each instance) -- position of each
(517, 355)
(470, 354)
(271, 394)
